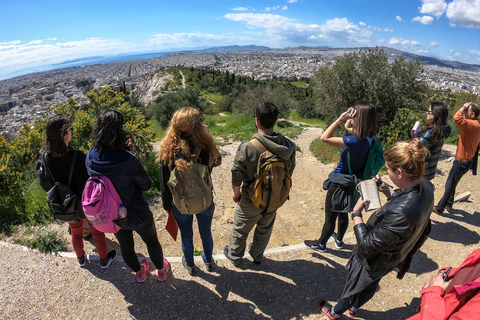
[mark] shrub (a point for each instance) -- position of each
(399, 129)
(36, 207)
(47, 242)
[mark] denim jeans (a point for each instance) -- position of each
(459, 168)
(185, 224)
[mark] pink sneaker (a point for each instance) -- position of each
(142, 276)
(162, 276)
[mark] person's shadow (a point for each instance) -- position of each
(463, 216)
(274, 289)
(454, 232)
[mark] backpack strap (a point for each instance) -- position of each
(258, 145)
(72, 167)
(49, 173)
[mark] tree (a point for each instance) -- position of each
(84, 117)
(369, 76)
(247, 101)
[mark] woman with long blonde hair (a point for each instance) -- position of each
(188, 139)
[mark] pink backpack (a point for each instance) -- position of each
(101, 202)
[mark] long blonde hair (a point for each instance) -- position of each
(185, 134)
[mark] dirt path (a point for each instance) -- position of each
(287, 285)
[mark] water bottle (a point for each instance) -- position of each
(122, 211)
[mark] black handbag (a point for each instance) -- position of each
(63, 201)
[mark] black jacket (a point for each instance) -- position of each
(391, 233)
(129, 178)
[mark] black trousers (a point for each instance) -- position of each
(127, 246)
(331, 218)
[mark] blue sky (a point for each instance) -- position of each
(35, 33)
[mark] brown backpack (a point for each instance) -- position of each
(272, 182)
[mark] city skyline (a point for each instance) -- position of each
(35, 34)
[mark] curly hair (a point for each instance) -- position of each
(186, 133)
(108, 133)
(56, 129)
(408, 156)
(366, 120)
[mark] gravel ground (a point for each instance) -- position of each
(287, 285)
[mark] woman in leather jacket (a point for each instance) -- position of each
(393, 233)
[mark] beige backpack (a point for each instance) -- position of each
(272, 182)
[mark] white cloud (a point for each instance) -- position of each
(403, 42)
(272, 8)
(433, 44)
(15, 55)
(284, 8)
(287, 31)
(399, 19)
(240, 9)
(427, 20)
(166, 41)
(292, 1)
(465, 13)
(433, 7)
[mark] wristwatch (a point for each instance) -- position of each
(356, 213)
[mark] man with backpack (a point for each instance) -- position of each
(261, 179)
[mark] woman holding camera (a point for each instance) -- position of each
(393, 233)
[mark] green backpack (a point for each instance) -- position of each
(375, 160)
(272, 182)
(192, 189)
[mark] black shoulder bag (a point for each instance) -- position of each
(63, 201)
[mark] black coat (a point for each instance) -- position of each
(391, 233)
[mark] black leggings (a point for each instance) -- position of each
(127, 246)
(331, 218)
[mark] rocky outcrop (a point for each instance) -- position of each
(149, 89)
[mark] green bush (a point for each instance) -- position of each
(399, 129)
(36, 207)
(47, 242)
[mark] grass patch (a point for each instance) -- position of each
(44, 241)
(324, 153)
(312, 122)
(213, 97)
(241, 127)
(159, 131)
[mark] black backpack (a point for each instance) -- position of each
(42, 171)
(62, 200)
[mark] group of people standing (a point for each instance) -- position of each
(387, 240)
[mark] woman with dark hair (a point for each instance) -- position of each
(111, 157)
(392, 234)
(187, 139)
(361, 121)
(433, 136)
(60, 156)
